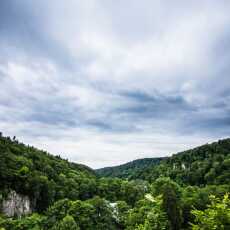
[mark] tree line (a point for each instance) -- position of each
(186, 191)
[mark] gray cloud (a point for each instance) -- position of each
(103, 82)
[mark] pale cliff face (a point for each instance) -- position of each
(16, 205)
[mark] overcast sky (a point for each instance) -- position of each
(105, 82)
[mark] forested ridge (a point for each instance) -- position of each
(207, 164)
(186, 191)
(129, 170)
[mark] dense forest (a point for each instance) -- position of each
(128, 170)
(207, 164)
(186, 191)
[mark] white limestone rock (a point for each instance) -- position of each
(16, 205)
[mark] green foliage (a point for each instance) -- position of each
(148, 215)
(156, 194)
(67, 222)
(33, 222)
(120, 212)
(130, 170)
(57, 212)
(46, 178)
(114, 189)
(92, 214)
(171, 193)
(156, 218)
(137, 215)
(207, 164)
(196, 197)
(215, 217)
(37, 174)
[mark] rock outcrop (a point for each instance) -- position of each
(16, 205)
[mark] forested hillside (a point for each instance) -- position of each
(186, 191)
(43, 177)
(128, 170)
(207, 164)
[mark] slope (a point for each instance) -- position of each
(130, 169)
(41, 176)
(207, 164)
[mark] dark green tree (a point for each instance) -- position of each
(171, 193)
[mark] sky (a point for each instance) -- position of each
(103, 82)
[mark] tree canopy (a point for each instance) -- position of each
(186, 191)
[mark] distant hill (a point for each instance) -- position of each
(130, 169)
(207, 164)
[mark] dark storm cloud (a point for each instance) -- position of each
(122, 76)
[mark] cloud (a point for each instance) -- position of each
(105, 82)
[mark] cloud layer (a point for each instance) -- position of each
(104, 82)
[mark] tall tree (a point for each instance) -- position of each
(170, 192)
